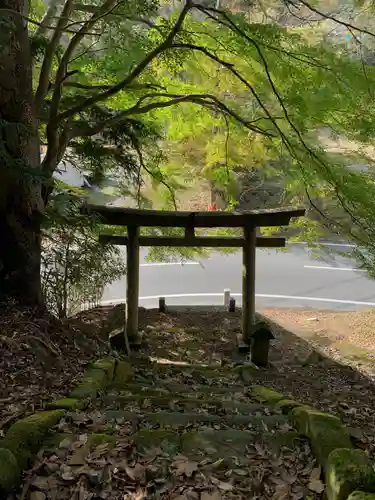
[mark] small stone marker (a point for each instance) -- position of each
(162, 304)
(232, 305)
(260, 343)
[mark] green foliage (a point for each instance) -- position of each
(155, 99)
(75, 266)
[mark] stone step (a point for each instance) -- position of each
(194, 390)
(212, 371)
(228, 445)
(172, 401)
(184, 419)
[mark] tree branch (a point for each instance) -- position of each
(74, 42)
(134, 86)
(48, 18)
(45, 71)
(333, 18)
(134, 74)
(173, 99)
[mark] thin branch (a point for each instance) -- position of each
(48, 17)
(45, 71)
(338, 21)
(134, 74)
(173, 99)
(160, 179)
(74, 42)
(134, 86)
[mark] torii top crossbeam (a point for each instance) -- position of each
(120, 216)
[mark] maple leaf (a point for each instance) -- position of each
(184, 466)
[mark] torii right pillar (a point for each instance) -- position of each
(248, 282)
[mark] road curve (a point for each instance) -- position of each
(291, 278)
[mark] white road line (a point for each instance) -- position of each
(262, 295)
(331, 268)
(327, 244)
(151, 264)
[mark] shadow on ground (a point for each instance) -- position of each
(308, 369)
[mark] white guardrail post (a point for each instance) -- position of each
(226, 298)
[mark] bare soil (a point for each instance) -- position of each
(349, 336)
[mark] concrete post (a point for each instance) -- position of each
(226, 298)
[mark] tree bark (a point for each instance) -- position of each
(21, 206)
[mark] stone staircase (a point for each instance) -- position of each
(204, 413)
(180, 432)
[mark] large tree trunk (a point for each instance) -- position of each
(21, 206)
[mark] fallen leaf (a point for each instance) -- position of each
(316, 485)
(240, 472)
(214, 495)
(136, 473)
(184, 466)
(138, 495)
(77, 459)
(37, 495)
(67, 474)
(281, 492)
(221, 484)
(316, 473)
(40, 483)
(65, 443)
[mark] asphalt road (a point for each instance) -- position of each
(292, 278)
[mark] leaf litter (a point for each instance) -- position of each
(122, 472)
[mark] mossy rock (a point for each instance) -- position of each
(9, 471)
(346, 470)
(94, 380)
(67, 404)
(165, 439)
(325, 432)
(123, 373)
(25, 437)
(280, 439)
(361, 495)
(246, 371)
(286, 405)
(108, 365)
(265, 395)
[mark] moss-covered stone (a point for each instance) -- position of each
(123, 373)
(347, 470)
(325, 431)
(167, 440)
(265, 395)
(66, 404)
(361, 495)
(286, 405)
(9, 471)
(25, 437)
(93, 381)
(246, 371)
(106, 364)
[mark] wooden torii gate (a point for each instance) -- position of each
(134, 219)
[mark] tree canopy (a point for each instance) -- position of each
(170, 90)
